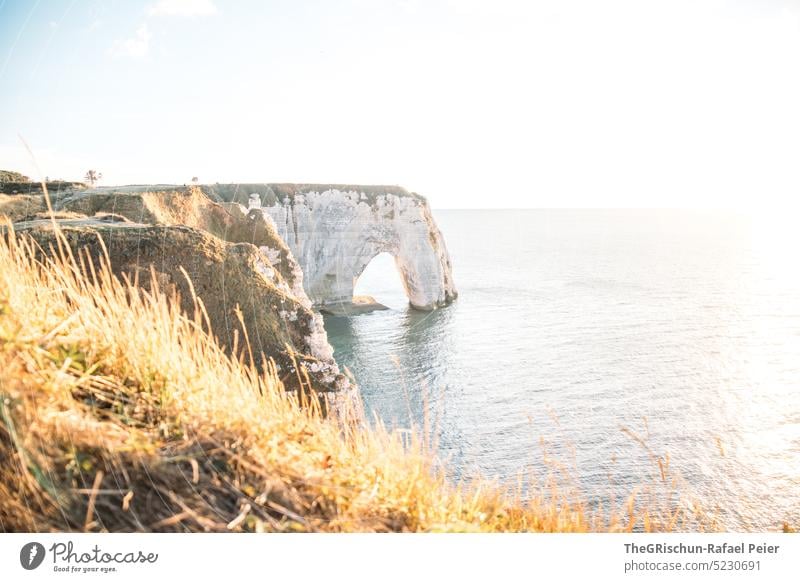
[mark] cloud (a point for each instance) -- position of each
(136, 46)
(182, 8)
(139, 45)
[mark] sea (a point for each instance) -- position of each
(613, 349)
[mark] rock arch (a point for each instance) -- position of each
(334, 232)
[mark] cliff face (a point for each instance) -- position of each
(233, 257)
(335, 231)
(191, 207)
(241, 292)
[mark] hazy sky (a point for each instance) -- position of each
(550, 103)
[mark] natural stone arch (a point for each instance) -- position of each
(335, 233)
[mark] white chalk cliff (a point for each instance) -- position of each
(334, 232)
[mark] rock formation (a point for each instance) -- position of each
(335, 231)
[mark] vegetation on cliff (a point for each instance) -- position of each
(13, 176)
(234, 259)
(242, 295)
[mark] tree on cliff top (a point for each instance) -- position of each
(92, 176)
(12, 176)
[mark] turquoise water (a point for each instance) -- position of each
(572, 325)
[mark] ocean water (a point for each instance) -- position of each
(576, 329)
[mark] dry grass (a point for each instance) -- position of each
(118, 413)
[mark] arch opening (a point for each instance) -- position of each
(381, 280)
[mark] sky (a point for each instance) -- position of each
(474, 104)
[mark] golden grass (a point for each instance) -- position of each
(120, 413)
